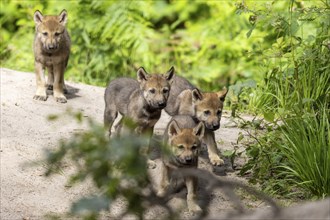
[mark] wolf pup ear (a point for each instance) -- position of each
(199, 130)
(63, 17)
(169, 75)
(196, 95)
(222, 94)
(38, 17)
(142, 75)
(173, 128)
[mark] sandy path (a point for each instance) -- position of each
(26, 133)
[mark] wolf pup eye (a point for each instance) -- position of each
(57, 34)
(45, 33)
(181, 147)
(165, 90)
(194, 147)
(207, 112)
(152, 91)
(219, 112)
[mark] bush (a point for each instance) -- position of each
(116, 167)
(307, 152)
(294, 98)
(205, 41)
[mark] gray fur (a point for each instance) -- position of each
(179, 84)
(141, 101)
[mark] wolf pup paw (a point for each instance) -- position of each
(151, 164)
(216, 161)
(194, 208)
(40, 97)
(61, 99)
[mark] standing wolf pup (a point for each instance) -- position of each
(185, 99)
(183, 138)
(140, 100)
(51, 50)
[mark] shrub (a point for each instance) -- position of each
(205, 41)
(306, 148)
(294, 98)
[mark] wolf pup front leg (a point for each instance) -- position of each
(51, 51)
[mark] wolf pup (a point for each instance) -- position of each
(51, 50)
(206, 107)
(183, 138)
(141, 100)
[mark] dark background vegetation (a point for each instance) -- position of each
(274, 55)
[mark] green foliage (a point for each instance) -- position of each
(296, 67)
(274, 54)
(116, 167)
(307, 151)
(293, 156)
(16, 30)
(264, 158)
(238, 95)
(204, 40)
(294, 98)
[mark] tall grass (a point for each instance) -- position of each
(307, 149)
(296, 93)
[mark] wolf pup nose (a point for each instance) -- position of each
(215, 126)
(188, 160)
(51, 52)
(162, 104)
(52, 46)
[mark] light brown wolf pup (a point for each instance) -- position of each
(51, 50)
(140, 100)
(206, 107)
(183, 138)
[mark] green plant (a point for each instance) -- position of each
(238, 95)
(296, 67)
(306, 148)
(204, 40)
(264, 159)
(294, 94)
(117, 168)
(290, 156)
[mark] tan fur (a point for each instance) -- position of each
(183, 138)
(204, 107)
(51, 51)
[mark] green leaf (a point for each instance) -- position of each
(90, 204)
(306, 100)
(228, 153)
(250, 83)
(240, 137)
(246, 168)
(248, 34)
(269, 116)
(52, 117)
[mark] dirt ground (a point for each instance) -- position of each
(26, 133)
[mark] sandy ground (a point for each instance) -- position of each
(26, 133)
